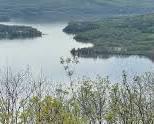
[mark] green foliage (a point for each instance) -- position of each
(15, 32)
(134, 3)
(92, 101)
(69, 9)
(47, 111)
(4, 115)
(132, 35)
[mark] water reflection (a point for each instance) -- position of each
(44, 53)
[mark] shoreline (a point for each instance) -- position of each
(115, 36)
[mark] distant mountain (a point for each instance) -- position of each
(131, 3)
(51, 10)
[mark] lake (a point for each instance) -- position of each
(43, 55)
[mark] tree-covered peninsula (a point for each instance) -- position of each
(131, 35)
(18, 32)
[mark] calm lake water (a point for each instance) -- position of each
(43, 54)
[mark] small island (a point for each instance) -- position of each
(18, 32)
(129, 35)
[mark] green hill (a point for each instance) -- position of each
(133, 3)
(36, 10)
(129, 35)
(18, 32)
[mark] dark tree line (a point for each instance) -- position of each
(15, 32)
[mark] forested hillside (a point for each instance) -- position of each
(130, 35)
(18, 32)
(70, 9)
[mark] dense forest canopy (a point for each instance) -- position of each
(70, 9)
(130, 35)
(18, 32)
